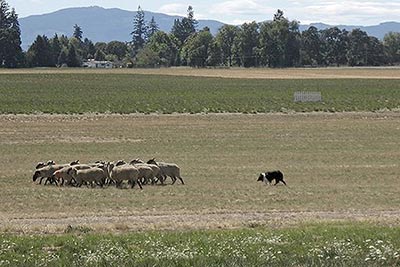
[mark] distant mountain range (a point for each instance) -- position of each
(105, 25)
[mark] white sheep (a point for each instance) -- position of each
(47, 172)
(95, 174)
(147, 176)
(64, 176)
(124, 173)
(168, 169)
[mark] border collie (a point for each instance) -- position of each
(270, 176)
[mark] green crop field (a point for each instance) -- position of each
(340, 208)
(61, 93)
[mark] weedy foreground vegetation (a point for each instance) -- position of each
(308, 245)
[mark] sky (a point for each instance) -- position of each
(351, 12)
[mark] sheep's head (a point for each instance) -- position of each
(40, 165)
(110, 167)
(261, 177)
(75, 162)
(36, 175)
(135, 161)
(152, 161)
(120, 162)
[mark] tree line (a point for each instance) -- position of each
(277, 43)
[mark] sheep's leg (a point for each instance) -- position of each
(173, 179)
(140, 185)
(41, 179)
(47, 180)
(283, 182)
(180, 178)
(53, 180)
(163, 179)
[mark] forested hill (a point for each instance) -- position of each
(378, 31)
(99, 24)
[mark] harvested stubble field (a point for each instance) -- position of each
(337, 166)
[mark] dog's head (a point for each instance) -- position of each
(261, 177)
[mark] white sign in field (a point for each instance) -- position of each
(307, 97)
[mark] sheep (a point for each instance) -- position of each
(156, 172)
(47, 172)
(51, 178)
(168, 169)
(64, 176)
(90, 175)
(42, 164)
(124, 173)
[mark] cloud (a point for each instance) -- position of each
(345, 12)
(174, 9)
(241, 8)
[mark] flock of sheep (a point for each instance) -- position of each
(107, 173)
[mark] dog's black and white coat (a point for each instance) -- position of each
(270, 176)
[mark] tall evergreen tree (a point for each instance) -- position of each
(152, 28)
(78, 33)
(182, 29)
(139, 31)
(11, 55)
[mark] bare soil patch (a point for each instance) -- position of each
(241, 73)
